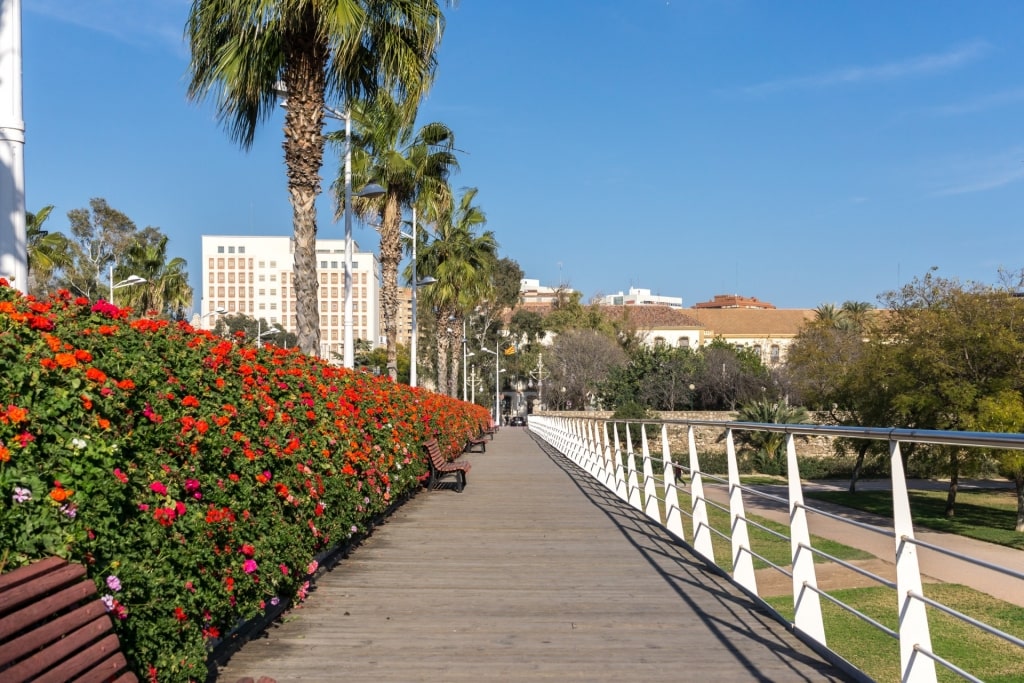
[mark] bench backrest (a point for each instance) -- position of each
(434, 453)
(53, 626)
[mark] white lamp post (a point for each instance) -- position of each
(260, 335)
(371, 190)
(415, 285)
(13, 248)
(216, 311)
(127, 282)
(497, 386)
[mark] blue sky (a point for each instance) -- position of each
(802, 153)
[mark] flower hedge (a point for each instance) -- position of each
(196, 479)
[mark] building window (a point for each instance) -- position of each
(220, 263)
(757, 350)
(323, 265)
(684, 342)
(220, 250)
(231, 292)
(775, 353)
(273, 291)
(273, 277)
(231, 250)
(241, 250)
(334, 278)
(263, 307)
(659, 341)
(263, 264)
(220, 291)
(334, 264)
(273, 306)
(273, 264)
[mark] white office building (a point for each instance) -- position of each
(641, 297)
(252, 276)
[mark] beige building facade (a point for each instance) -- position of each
(253, 276)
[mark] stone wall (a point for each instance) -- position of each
(708, 439)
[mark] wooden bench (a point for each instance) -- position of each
(54, 627)
(490, 430)
(478, 443)
(440, 467)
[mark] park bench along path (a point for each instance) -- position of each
(533, 572)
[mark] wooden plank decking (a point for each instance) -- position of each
(534, 572)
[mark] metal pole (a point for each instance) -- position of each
(13, 242)
(464, 359)
(110, 299)
(415, 332)
(497, 392)
(349, 353)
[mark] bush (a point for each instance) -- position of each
(196, 479)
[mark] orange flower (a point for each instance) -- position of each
(83, 356)
(96, 375)
(103, 423)
(66, 360)
(14, 415)
(5, 454)
(60, 494)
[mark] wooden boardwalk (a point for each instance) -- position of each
(534, 572)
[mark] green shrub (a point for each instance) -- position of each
(196, 479)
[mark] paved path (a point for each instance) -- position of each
(535, 572)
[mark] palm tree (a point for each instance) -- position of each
(47, 251)
(767, 445)
(318, 49)
(462, 262)
(166, 289)
(407, 163)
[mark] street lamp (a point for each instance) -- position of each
(371, 190)
(497, 386)
(415, 285)
(127, 282)
(260, 335)
(216, 311)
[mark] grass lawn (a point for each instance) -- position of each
(983, 515)
(985, 656)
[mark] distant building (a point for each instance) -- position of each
(766, 331)
(404, 336)
(253, 276)
(641, 297)
(533, 292)
(658, 324)
(733, 301)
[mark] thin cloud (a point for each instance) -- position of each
(139, 22)
(916, 66)
(982, 175)
(980, 104)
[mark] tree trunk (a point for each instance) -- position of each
(303, 156)
(858, 466)
(954, 480)
(390, 256)
(455, 362)
(443, 353)
(1019, 481)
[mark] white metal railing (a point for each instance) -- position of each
(588, 443)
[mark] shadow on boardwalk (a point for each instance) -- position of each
(535, 572)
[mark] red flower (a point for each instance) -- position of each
(180, 615)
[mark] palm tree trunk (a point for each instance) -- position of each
(390, 256)
(305, 61)
(454, 347)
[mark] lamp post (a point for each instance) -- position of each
(497, 386)
(260, 335)
(415, 285)
(371, 190)
(216, 311)
(127, 282)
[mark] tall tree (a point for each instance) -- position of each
(462, 262)
(47, 251)
(100, 236)
(166, 290)
(320, 50)
(408, 163)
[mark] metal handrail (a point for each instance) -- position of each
(913, 632)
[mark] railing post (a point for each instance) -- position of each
(914, 632)
(651, 506)
(673, 515)
(699, 509)
(806, 602)
(742, 560)
(614, 452)
(632, 487)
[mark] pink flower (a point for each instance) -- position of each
(249, 566)
(284, 569)
(158, 488)
(121, 476)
